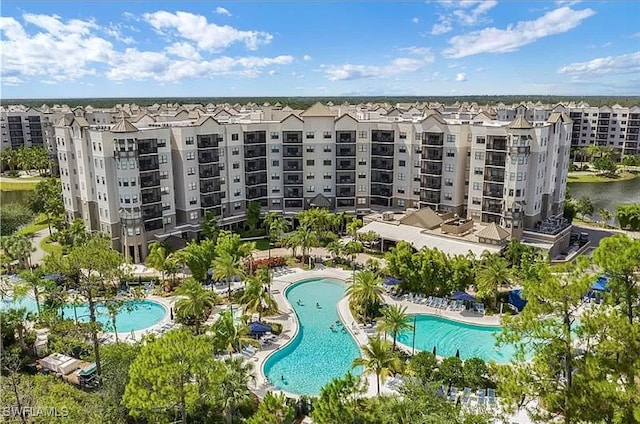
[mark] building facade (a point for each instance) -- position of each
(147, 177)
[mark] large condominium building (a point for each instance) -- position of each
(155, 175)
(23, 127)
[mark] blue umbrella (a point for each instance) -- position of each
(256, 327)
(462, 296)
(390, 281)
(600, 284)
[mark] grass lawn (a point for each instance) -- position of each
(39, 223)
(593, 178)
(17, 184)
(49, 246)
(262, 244)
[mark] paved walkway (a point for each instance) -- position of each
(36, 238)
(315, 251)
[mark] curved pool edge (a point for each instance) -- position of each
(166, 303)
(283, 284)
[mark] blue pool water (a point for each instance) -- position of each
(449, 336)
(137, 315)
(317, 354)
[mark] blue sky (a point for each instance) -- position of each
(146, 49)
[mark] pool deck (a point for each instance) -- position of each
(289, 323)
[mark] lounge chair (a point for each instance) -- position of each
(466, 396)
(491, 397)
(453, 395)
(480, 308)
(481, 397)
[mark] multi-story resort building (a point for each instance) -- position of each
(24, 127)
(154, 174)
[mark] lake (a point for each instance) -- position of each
(607, 195)
(14, 196)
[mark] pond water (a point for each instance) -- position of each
(16, 196)
(607, 195)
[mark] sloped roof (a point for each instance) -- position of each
(65, 120)
(123, 126)
(520, 123)
(201, 120)
(423, 218)
(320, 201)
(493, 232)
(318, 110)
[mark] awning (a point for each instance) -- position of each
(462, 296)
(600, 284)
(256, 327)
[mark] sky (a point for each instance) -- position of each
(65, 49)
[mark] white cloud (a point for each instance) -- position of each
(480, 69)
(306, 58)
(11, 81)
(397, 66)
(184, 51)
(419, 51)
(415, 20)
(442, 27)
(222, 11)
(623, 64)
(567, 2)
(494, 40)
(115, 31)
(207, 36)
(475, 15)
(461, 77)
(273, 72)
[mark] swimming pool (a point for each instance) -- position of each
(136, 315)
(317, 354)
(450, 336)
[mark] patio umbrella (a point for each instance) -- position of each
(600, 284)
(462, 296)
(256, 327)
(390, 281)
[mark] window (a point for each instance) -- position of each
(476, 185)
(236, 178)
(161, 143)
(476, 200)
(236, 192)
(275, 176)
(362, 201)
(519, 176)
(221, 152)
(401, 176)
(191, 171)
(402, 163)
(449, 167)
(274, 135)
(326, 134)
(327, 189)
(418, 136)
(275, 149)
(275, 163)
(362, 147)
(167, 220)
(451, 153)
(448, 196)
(125, 182)
(162, 158)
(237, 206)
(310, 149)
(310, 176)
(166, 206)
(480, 140)
(326, 162)
(402, 149)
(362, 134)
(327, 175)
(193, 201)
(451, 138)
(403, 135)
(188, 141)
(236, 165)
(479, 155)
(362, 188)
(221, 166)
(311, 162)
(275, 189)
(512, 176)
(362, 175)
(234, 137)
(311, 189)
(164, 190)
(362, 161)
(311, 134)
(235, 151)
(191, 155)
(193, 215)
(133, 182)
(327, 149)
(478, 171)
(401, 190)
(192, 186)
(127, 198)
(275, 202)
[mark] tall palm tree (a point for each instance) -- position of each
(234, 386)
(157, 258)
(394, 321)
(17, 318)
(365, 290)
(379, 359)
(34, 281)
(605, 215)
(198, 257)
(229, 336)
(225, 267)
(492, 273)
(255, 297)
(335, 248)
(353, 227)
(196, 303)
(306, 238)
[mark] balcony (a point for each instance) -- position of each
(381, 191)
(124, 154)
(429, 197)
(431, 183)
(255, 165)
(494, 176)
(150, 180)
(151, 212)
(345, 136)
(208, 171)
(293, 179)
(257, 192)
(385, 164)
(209, 200)
(348, 151)
(493, 194)
(256, 178)
(155, 224)
(346, 165)
(345, 178)
(499, 144)
(151, 195)
(254, 151)
(431, 168)
(208, 141)
(255, 137)
(292, 152)
(378, 150)
(382, 136)
(519, 150)
(293, 204)
(148, 147)
(209, 186)
(289, 137)
(295, 192)
(345, 203)
(148, 164)
(492, 207)
(208, 156)
(382, 177)
(433, 139)
(346, 192)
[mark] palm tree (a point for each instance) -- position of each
(229, 336)
(225, 267)
(606, 216)
(306, 238)
(198, 257)
(157, 258)
(196, 303)
(17, 318)
(493, 272)
(395, 320)
(255, 297)
(234, 386)
(353, 227)
(276, 226)
(33, 280)
(379, 358)
(365, 290)
(335, 248)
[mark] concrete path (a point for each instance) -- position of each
(36, 238)
(315, 251)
